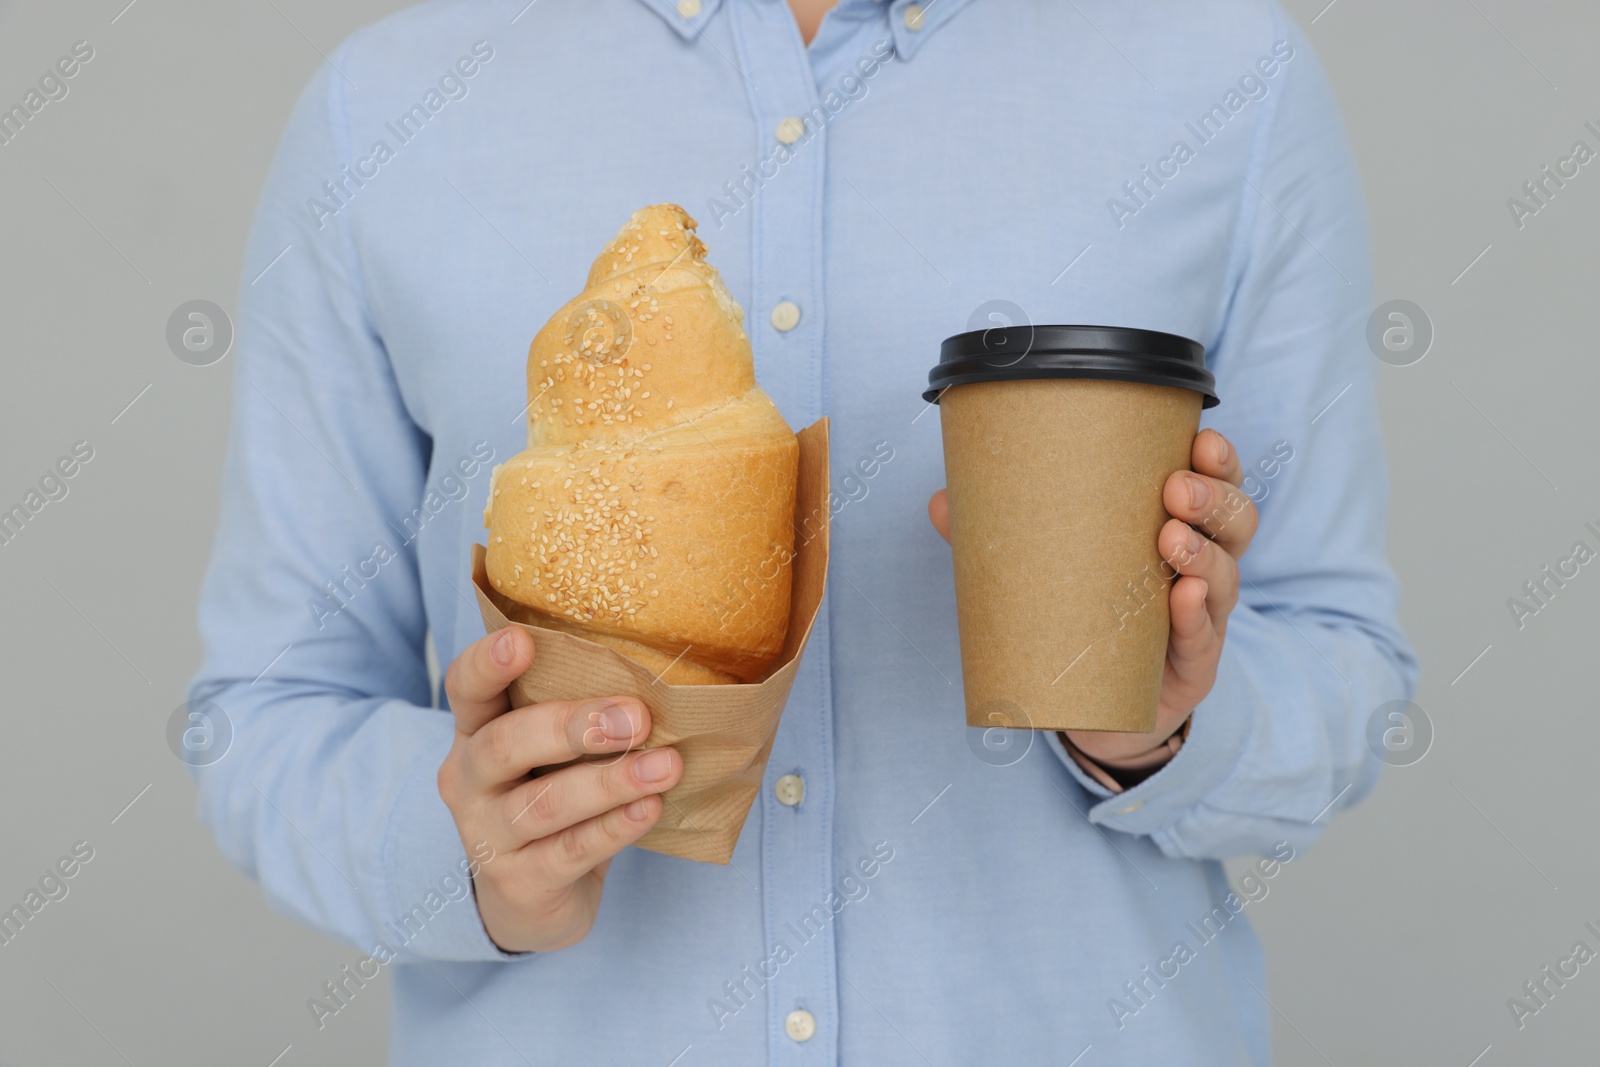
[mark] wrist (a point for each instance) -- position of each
(1124, 772)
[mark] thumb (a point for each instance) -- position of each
(939, 513)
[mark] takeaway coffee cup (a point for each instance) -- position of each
(1057, 443)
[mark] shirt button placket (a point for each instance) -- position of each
(785, 323)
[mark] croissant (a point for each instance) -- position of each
(653, 508)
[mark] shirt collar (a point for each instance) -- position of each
(690, 17)
(928, 16)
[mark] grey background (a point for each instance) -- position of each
(1397, 940)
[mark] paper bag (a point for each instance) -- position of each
(723, 732)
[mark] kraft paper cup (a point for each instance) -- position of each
(1058, 441)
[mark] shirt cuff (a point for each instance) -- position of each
(1156, 807)
(433, 908)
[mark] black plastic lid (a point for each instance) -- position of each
(1119, 353)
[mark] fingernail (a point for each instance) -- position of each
(1194, 541)
(1223, 451)
(1199, 492)
(504, 648)
(635, 810)
(653, 766)
(619, 722)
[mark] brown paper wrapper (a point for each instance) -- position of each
(723, 732)
(1055, 506)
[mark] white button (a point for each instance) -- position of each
(800, 1025)
(791, 130)
(688, 8)
(786, 316)
(790, 790)
(1135, 806)
(912, 14)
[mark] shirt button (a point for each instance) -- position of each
(790, 790)
(688, 8)
(786, 316)
(912, 13)
(791, 130)
(800, 1025)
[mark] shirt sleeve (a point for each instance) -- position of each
(1314, 646)
(311, 613)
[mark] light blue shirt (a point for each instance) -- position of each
(934, 899)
